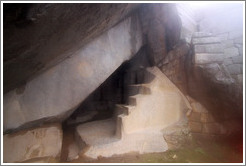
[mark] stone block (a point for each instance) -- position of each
(228, 43)
(31, 145)
(228, 61)
(206, 118)
(209, 48)
(57, 92)
(201, 34)
(235, 68)
(237, 59)
(195, 127)
(204, 58)
(205, 40)
(222, 36)
(213, 128)
(195, 116)
(231, 52)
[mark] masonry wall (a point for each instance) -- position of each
(226, 22)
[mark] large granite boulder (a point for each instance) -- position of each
(56, 93)
(39, 35)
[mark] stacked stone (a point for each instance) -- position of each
(214, 82)
(224, 49)
(233, 50)
(202, 122)
(208, 49)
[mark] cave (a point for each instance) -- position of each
(123, 82)
(100, 104)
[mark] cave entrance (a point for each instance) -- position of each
(100, 104)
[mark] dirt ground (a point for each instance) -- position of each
(228, 150)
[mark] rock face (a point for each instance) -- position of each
(161, 26)
(53, 95)
(38, 36)
(174, 65)
(36, 145)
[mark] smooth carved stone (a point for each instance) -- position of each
(35, 41)
(137, 128)
(55, 94)
(41, 144)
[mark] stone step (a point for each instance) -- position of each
(119, 126)
(123, 109)
(201, 34)
(132, 101)
(96, 133)
(138, 76)
(148, 77)
(138, 89)
(205, 40)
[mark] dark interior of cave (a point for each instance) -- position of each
(100, 104)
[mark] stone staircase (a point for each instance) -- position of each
(154, 103)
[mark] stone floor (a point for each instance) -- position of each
(229, 150)
(194, 151)
(99, 136)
